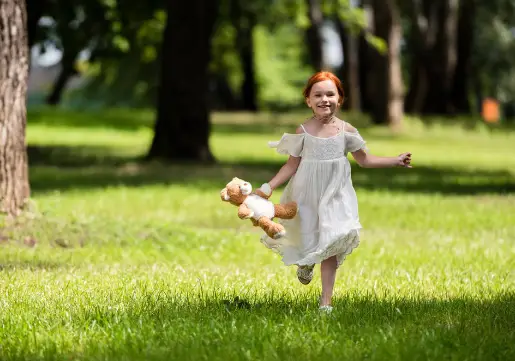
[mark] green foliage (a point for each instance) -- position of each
(280, 71)
(108, 83)
(225, 59)
(379, 44)
(495, 43)
(123, 261)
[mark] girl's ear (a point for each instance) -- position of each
(308, 102)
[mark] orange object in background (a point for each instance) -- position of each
(490, 110)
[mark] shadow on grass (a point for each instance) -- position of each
(62, 168)
(75, 157)
(358, 329)
(122, 119)
(30, 265)
(231, 122)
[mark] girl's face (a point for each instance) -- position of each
(323, 98)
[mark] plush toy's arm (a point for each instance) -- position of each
(244, 211)
(223, 195)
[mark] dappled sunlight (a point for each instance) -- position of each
(117, 256)
(179, 307)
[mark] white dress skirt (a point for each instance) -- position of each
(327, 223)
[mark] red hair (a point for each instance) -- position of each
(321, 76)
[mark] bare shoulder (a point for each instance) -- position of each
(305, 127)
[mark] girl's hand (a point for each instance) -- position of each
(404, 160)
(265, 191)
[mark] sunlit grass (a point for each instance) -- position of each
(125, 261)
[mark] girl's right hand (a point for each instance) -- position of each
(404, 160)
(265, 191)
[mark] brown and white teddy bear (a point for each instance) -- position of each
(256, 206)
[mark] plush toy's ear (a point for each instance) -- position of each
(224, 196)
(246, 188)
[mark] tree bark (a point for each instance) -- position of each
(350, 71)
(14, 67)
(388, 102)
(223, 97)
(423, 37)
(245, 21)
(443, 64)
(434, 59)
(67, 71)
(366, 56)
(460, 90)
(35, 10)
(182, 128)
(314, 34)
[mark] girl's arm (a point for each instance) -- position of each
(367, 160)
(285, 173)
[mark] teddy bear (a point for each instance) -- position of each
(257, 207)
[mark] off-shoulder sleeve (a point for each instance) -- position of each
(291, 144)
(354, 141)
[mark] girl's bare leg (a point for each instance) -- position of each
(328, 276)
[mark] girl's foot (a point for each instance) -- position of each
(326, 309)
(305, 274)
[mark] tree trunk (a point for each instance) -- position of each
(424, 26)
(443, 63)
(460, 90)
(35, 9)
(388, 104)
(366, 56)
(223, 97)
(14, 67)
(314, 34)
(244, 21)
(182, 127)
(395, 108)
(67, 71)
(350, 71)
(434, 59)
(248, 88)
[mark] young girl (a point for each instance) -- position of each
(327, 226)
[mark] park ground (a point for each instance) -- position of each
(120, 260)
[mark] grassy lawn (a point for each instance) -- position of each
(127, 261)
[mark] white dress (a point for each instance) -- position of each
(327, 223)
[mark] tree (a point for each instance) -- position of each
(434, 48)
(462, 76)
(182, 125)
(35, 10)
(493, 65)
(14, 67)
(314, 34)
(244, 19)
(351, 68)
(388, 100)
(79, 25)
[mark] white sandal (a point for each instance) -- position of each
(326, 309)
(305, 274)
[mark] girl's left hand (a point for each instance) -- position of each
(404, 160)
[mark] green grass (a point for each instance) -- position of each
(124, 261)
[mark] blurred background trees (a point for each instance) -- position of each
(186, 59)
